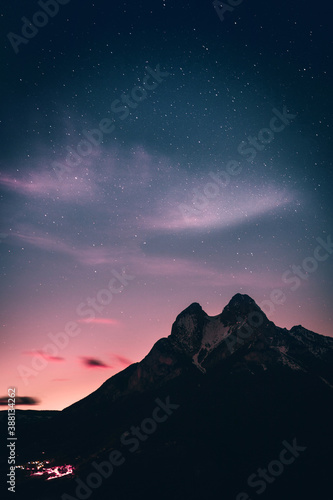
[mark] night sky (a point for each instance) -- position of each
(154, 154)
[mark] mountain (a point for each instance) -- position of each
(206, 409)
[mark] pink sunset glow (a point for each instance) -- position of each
(90, 301)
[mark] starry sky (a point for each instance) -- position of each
(155, 154)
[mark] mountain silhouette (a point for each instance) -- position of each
(240, 388)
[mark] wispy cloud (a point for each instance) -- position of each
(99, 321)
(45, 355)
(198, 272)
(121, 359)
(226, 210)
(83, 183)
(82, 253)
(133, 258)
(42, 183)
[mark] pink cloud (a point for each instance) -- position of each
(99, 321)
(51, 358)
(80, 183)
(122, 360)
(45, 355)
(41, 183)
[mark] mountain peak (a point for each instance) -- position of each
(241, 305)
(194, 308)
(194, 330)
(186, 332)
(241, 298)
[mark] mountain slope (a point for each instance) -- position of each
(202, 340)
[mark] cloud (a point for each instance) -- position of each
(122, 360)
(82, 183)
(198, 272)
(229, 208)
(93, 363)
(45, 355)
(85, 254)
(132, 257)
(99, 321)
(23, 400)
(51, 358)
(41, 183)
